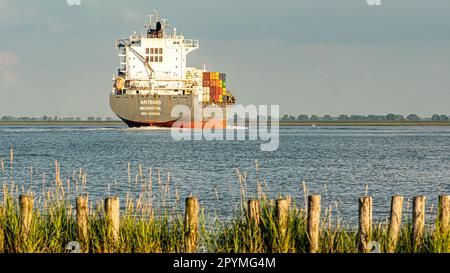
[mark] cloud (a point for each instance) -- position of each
(9, 62)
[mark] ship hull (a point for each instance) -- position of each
(156, 110)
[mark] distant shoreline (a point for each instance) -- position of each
(365, 123)
(282, 123)
(62, 123)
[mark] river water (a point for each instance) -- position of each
(340, 163)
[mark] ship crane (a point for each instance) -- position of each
(148, 68)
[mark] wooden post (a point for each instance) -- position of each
(82, 218)
(191, 224)
(418, 221)
(26, 203)
(365, 223)
(313, 222)
(282, 216)
(112, 217)
(395, 221)
(282, 210)
(253, 212)
(444, 214)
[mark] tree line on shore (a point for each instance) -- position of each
(51, 119)
(287, 117)
(388, 117)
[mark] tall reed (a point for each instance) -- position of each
(152, 221)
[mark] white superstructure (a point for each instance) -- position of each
(155, 62)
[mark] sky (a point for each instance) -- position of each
(307, 56)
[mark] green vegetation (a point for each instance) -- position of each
(153, 222)
(365, 123)
(365, 118)
(52, 119)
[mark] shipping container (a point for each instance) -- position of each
(222, 76)
(206, 82)
(218, 94)
(206, 75)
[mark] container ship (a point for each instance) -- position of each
(153, 78)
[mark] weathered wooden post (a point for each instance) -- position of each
(313, 222)
(444, 214)
(191, 224)
(82, 217)
(26, 203)
(418, 221)
(282, 213)
(282, 216)
(395, 220)
(253, 208)
(112, 217)
(365, 223)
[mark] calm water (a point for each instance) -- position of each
(337, 162)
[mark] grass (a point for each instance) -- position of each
(152, 222)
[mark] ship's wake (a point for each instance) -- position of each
(148, 128)
(156, 128)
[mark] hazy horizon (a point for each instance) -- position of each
(311, 56)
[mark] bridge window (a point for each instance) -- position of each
(151, 51)
(151, 59)
(160, 59)
(147, 50)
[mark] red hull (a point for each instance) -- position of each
(210, 124)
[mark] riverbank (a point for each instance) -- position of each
(50, 223)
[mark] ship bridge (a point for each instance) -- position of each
(155, 60)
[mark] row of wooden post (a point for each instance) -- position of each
(395, 219)
(112, 219)
(365, 219)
